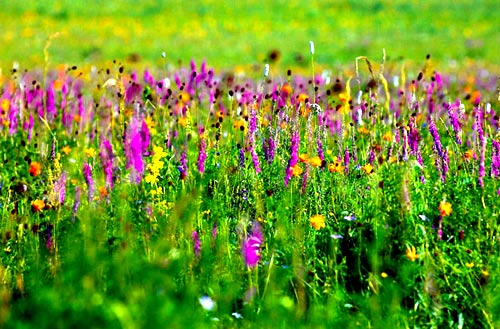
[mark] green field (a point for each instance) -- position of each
(229, 34)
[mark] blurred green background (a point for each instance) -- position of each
(242, 33)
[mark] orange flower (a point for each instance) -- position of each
(184, 97)
(411, 254)
(103, 192)
(303, 157)
(336, 166)
(367, 168)
(363, 131)
(35, 168)
(286, 90)
(317, 222)
(37, 205)
(469, 154)
(239, 124)
(444, 208)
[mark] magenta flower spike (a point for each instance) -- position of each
(251, 247)
(106, 155)
(87, 175)
(196, 243)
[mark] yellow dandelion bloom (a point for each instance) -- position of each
(317, 222)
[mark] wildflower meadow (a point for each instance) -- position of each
(189, 196)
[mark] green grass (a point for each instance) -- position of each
(228, 33)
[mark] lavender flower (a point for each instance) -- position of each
(202, 155)
(196, 243)
(495, 159)
(482, 145)
(294, 156)
(106, 155)
(454, 120)
(442, 160)
(251, 247)
(183, 168)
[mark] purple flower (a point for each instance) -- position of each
(482, 145)
(196, 243)
(251, 247)
(202, 155)
(87, 175)
(294, 156)
(50, 103)
(495, 159)
(106, 155)
(442, 159)
(60, 188)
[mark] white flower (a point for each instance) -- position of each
(237, 315)
(207, 303)
(311, 47)
(266, 70)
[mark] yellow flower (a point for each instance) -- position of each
(296, 170)
(384, 275)
(411, 254)
(38, 205)
(89, 152)
(103, 191)
(151, 178)
(444, 208)
(363, 131)
(469, 265)
(66, 149)
(469, 154)
(315, 161)
(303, 157)
(387, 136)
(317, 222)
(367, 168)
(336, 166)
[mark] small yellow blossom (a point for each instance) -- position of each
(66, 149)
(444, 208)
(89, 152)
(317, 222)
(296, 170)
(363, 131)
(315, 161)
(411, 254)
(469, 265)
(367, 168)
(384, 275)
(387, 136)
